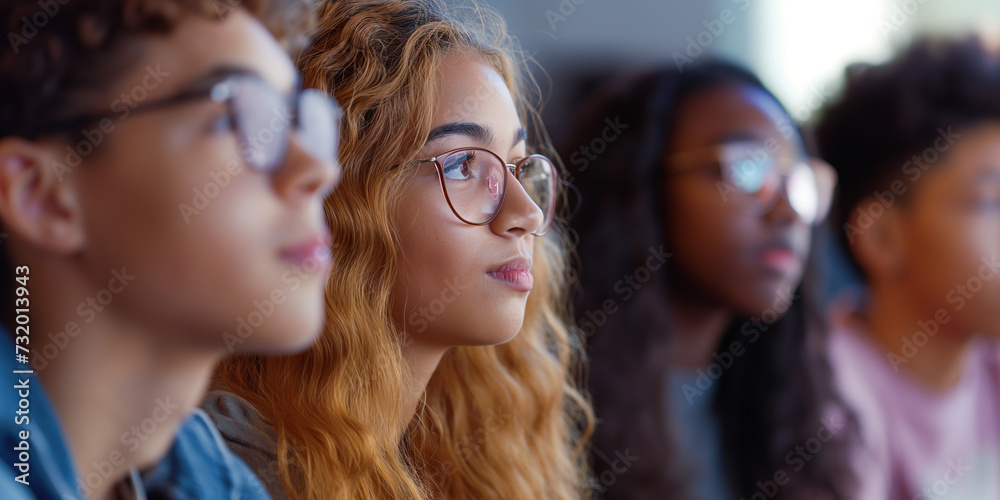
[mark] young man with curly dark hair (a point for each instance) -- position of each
(161, 186)
(916, 143)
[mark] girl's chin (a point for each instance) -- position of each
(488, 339)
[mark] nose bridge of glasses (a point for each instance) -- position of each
(515, 172)
(810, 206)
(512, 167)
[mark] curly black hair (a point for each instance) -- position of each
(886, 126)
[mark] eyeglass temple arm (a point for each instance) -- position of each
(83, 121)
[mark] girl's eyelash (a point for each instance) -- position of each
(469, 157)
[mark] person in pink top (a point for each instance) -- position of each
(916, 144)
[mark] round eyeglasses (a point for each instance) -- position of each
(474, 181)
(261, 118)
(747, 168)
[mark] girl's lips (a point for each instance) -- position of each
(518, 280)
(316, 248)
(778, 259)
(516, 273)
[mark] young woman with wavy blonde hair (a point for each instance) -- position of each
(448, 367)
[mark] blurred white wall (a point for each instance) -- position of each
(798, 47)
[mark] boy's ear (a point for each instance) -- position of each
(877, 243)
(38, 203)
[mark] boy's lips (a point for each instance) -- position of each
(316, 247)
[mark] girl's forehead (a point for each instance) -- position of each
(731, 113)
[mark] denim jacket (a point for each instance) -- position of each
(197, 466)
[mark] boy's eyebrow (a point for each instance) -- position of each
(216, 75)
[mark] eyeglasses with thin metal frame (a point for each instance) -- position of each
(261, 117)
(474, 181)
(750, 169)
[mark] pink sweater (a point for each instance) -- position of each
(918, 443)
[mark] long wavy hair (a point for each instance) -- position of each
(497, 422)
(773, 398)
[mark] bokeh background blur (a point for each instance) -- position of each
(799, 48)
